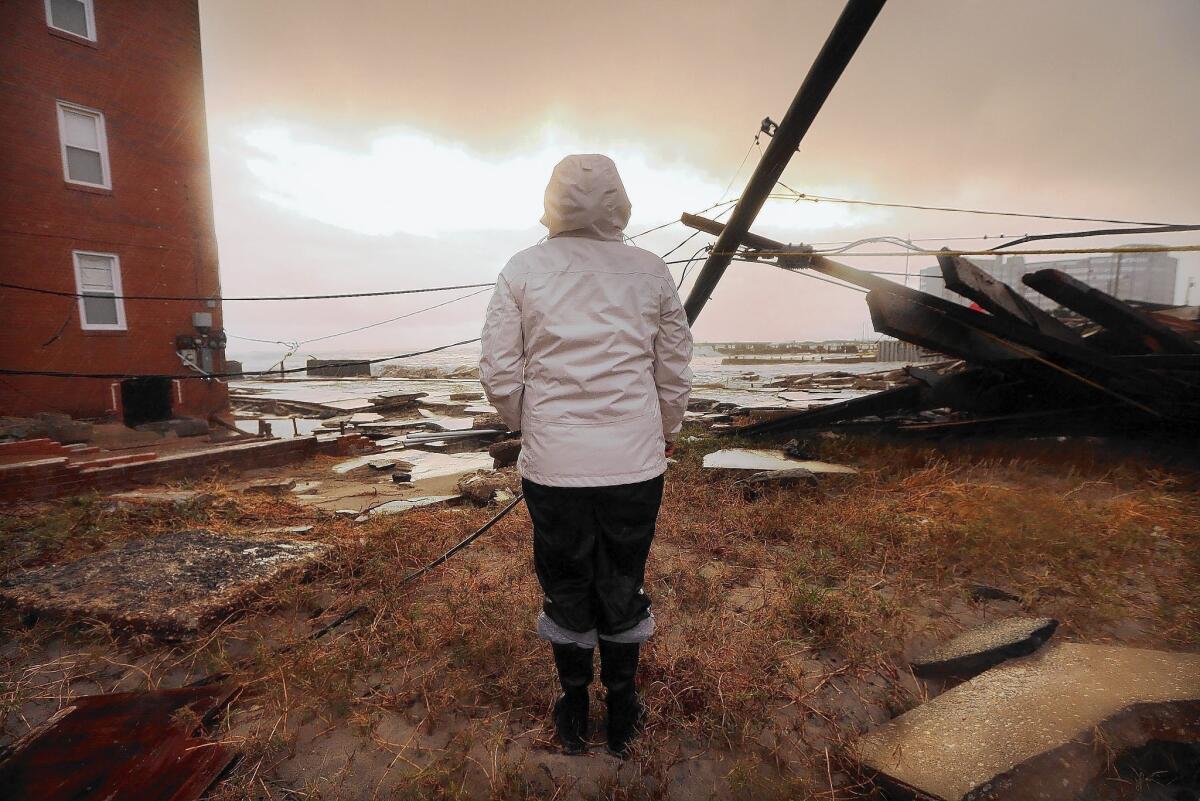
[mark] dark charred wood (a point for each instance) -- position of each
(965, 278)
(1138, 331)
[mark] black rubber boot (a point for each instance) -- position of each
(618, 667)
(571, 710)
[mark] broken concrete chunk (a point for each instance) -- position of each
(62, 428)
(306, 488)
(168, 585)
(760, 460)
(481, 487)
(1039, 727)
(285, 530)
(176, 499)
(404, 504)
(780, 478)
(392, 463)
(799, 449)
(505, 453)
(980, 648)
(272, 486)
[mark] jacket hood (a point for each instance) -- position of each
(585, 197)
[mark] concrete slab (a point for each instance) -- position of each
(404, 504)
(135, 499)
(982, 647)
(759, 460)
(169, 586)
(1039, 727)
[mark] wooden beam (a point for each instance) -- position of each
(966, 278)
(1021, 339)
(904, 319)
(1140, 332)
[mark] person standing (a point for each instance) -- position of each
(586, 352)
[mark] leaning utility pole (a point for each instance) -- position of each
(844, 39)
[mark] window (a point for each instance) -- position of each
(72, 16)
(84, 145)
(98, 281)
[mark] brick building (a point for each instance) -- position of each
(104, 192)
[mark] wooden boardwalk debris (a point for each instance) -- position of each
(1019, 364)
(1138, 331)
(169, 586)
(136, 745)
(1049, 720)
(965, 278)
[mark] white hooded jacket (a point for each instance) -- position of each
(586, 346)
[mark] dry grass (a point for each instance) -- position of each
(784, 623)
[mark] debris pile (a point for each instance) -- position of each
(1013, 365)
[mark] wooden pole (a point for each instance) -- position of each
(847, 34)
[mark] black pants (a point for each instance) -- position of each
(589, 549)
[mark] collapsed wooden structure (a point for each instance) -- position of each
(1011, 363)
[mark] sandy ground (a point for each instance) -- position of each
(785, 622)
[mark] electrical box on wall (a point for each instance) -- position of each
(202, 320)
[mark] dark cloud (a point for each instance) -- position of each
(1078, 107)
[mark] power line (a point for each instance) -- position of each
(63, 294)
(805, 273)
(1024, 252)
(243, 374)
(295, 344)
(669, 223)
(798, 196)
(1154, 229)
(688, 266)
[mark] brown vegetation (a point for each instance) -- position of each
(784, 622)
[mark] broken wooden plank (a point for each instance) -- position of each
(966, 278)
(1137, 387)
(135, 745)
(900, 317)
(1140, 332)
(1022, 340)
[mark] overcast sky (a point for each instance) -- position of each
(363, 145)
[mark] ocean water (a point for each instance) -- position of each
(706, 364)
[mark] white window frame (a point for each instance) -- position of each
(89, 14)
(101, 138)
(119, 325)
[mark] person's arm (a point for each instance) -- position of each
(672, 357)
(502, 363)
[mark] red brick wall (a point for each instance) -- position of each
(144, 74)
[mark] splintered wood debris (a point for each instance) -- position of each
(169, 585)
(125, 745)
